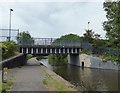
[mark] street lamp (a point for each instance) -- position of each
(88, 25)
(10, 25)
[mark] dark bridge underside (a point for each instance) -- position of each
(48, 49)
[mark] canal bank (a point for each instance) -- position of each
(87, 79)
(33, 77)
(55, 82)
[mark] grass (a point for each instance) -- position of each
(85, 52)
(55, 85)
(6, 86)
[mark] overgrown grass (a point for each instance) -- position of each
(55, 85)
(57, 59)
(109, 57)
(6, 86)
(85, 52)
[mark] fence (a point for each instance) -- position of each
(49, 41)
(4, 34)
(100, 50)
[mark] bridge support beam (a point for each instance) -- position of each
(74, 59)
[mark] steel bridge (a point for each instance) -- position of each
(45, 46)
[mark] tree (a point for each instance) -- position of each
(88, 36)
(73, 37)
(112, 25)
(96, 36)
(69, 39)
(60, 59)
(24, 38)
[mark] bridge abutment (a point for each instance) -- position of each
(74, 59)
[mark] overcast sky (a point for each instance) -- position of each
(55, 18)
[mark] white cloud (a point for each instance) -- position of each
(51, 0)
(53, 19)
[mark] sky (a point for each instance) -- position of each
(52, 18)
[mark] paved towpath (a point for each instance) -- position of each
(29, 77)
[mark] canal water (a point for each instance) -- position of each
(87, 79)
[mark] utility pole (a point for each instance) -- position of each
(88, 25)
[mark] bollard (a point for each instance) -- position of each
(5, 71)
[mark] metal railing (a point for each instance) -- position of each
(4, 36)
(50, 41)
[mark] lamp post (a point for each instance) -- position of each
(10, 25)
(88, 25)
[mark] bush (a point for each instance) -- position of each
(57, 59)
(8, 49)
(85, 52)
(29, 56)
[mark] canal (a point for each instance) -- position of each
(87, 79)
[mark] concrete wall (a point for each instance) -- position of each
(96, 62)
(90, 61)
(74, 59)
(15, 61)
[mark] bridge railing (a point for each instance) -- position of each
(44, 41)
(50, 41)
(67, 43)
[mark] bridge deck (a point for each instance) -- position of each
(47, 46)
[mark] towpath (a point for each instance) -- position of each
(29, 78)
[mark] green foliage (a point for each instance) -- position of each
(112, 25)
(112, 28)
(59, 59)
(29, 56)
(56, 84)
(85, 52)
(8, 49)
(93, 38)
(73, 37)
(100, 42)
(110, 57)
(25, 38)
(88, 36)
(6, 86)
(68, 38)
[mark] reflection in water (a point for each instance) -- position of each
(86, 78)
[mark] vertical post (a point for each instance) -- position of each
(45, 41)
(10, 25)
(51, 41)
(88, 25)
(18, 37)
(4, 75)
